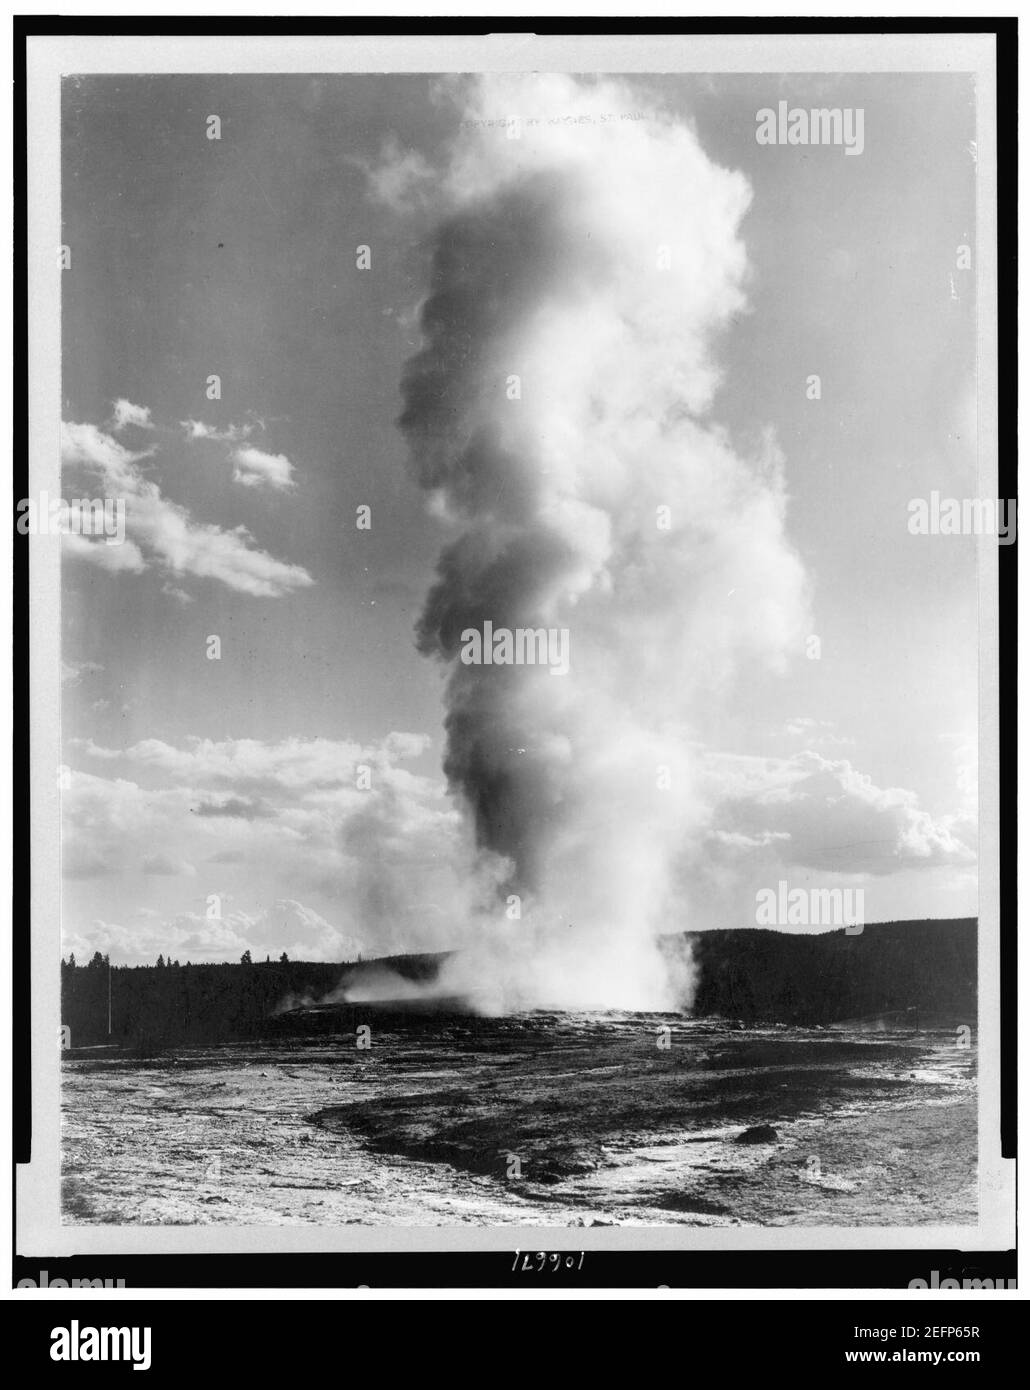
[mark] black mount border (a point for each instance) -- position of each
(836, 1269)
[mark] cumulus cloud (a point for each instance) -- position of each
(255, 468)
(348, 828)
(285, 925)
(102, 821)
(393, 865)
(300, 931)
(289, 767)
(163, 533)
(125, 413)
(125, 558)
(825, 815)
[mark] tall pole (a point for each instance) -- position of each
(109, 996)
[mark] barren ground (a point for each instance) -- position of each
(540, 1119)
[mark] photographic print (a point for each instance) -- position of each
(522, 535)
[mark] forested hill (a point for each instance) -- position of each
(926, 968)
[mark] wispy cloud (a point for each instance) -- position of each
(173, 591)
(196, 429)
(815, 731)
(402, 178)
(164, 534)
(237, 806)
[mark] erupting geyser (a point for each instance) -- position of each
(586, 250)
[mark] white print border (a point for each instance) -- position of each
(41, 1233)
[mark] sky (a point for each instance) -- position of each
(217, 805)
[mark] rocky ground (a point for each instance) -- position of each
(541, 1119)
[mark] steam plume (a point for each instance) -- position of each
(555, 415)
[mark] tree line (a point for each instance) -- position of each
(168, 1004)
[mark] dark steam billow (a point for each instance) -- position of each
(586, 250)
